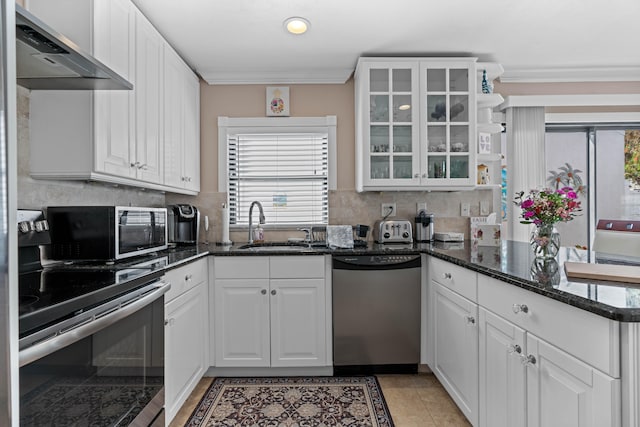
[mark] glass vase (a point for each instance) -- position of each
(545, 241)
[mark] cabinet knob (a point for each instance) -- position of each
(424, 175)
(517, 308)
(182, 178)
(144, 166)
(188, 277)
(263, 292)
(528, 360)
(515, 348)
(471, 320)
(273, 292)
(134, 165)
(446, 276)
(417, 175)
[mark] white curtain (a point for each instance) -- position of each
(525, 162)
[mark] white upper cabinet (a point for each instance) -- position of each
(415, 123)
(116, 136)
(181, 125)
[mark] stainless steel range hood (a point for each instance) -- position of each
(45, 59)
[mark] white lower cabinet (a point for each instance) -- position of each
(563, 391)
(456, 348)
(186, 333)
(502, 374)
(516, 358)
(274, 316)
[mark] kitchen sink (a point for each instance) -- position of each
(275, 246)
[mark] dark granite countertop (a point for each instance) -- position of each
(513, 262)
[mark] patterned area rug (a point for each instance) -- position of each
(293, 402)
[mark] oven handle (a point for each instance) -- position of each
(91, 326)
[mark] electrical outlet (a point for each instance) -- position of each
(388, 209)
(465, 209)
(421, 207)
(484, 207)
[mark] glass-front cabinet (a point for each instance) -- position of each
(415, 123)
(389, 123)
(448, 120)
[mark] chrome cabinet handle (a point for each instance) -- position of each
(188, 277)
(424, 175)
(135, 165)
(263, 292)
(471, 320)
(273, 292)
(528, 360)
(517, 308)
(417, 175)
(515, 348)
(446, 275)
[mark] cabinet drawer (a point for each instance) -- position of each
(185, 277)
(297, 267)
(241, 267)
(454, 277)
(591, 338)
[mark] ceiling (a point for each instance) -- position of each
(243, 41)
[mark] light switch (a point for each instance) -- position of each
(484, 207)
(464, 209)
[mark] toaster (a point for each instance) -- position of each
(393, 231)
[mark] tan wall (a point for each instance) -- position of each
(249, 101)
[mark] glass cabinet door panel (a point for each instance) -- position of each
(437, 166)
(402, 167)
(379, 167)
(459, 108)
(378, 80)
(459, 167)
(436, 80)
(436, 138)
(401, 80)
(379, 139)
(402, 139)
(402, 108)
(379, 108)
(436, 108)
(459, 80)
(459, 138)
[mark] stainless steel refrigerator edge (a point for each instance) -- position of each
(8, 238)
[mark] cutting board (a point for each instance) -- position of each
(614, 273)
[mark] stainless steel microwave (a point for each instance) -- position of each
(105, 232)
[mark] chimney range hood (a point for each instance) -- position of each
(45, 59)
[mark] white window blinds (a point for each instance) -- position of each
(286, 172)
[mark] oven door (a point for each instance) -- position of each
(105, 368)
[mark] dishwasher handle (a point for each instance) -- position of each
(376, 262)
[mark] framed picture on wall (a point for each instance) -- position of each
(277, 101)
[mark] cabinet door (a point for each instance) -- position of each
(185, 346)
(242, 322)
(563, 391)
(389, 120)
(448, 123)
(502, 374)
(191, 154)
(298, 322)
(113, 123)
(456, 349)
(148, 149)
(173, 118)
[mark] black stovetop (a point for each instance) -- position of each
(56, 292)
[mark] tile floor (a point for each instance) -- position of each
(414, 401)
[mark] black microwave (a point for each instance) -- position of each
(105, 232)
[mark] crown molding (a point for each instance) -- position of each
(565, 75)
(324, 76)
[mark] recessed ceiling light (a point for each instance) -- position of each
(296, 25)
(404, 107)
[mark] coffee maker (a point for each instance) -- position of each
(184, 224)
(424, 227)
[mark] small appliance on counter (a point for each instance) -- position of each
(424, 227)
(393, 231)
(184, 224)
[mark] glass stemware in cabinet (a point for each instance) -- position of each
(437, 167)
(379, 167)
(379, 142)
(402, 167)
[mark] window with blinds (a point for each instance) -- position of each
(286, 172)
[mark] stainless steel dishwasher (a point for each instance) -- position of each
(376, 314)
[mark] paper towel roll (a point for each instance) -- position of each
(225, 226)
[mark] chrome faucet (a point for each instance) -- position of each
(251, 218)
